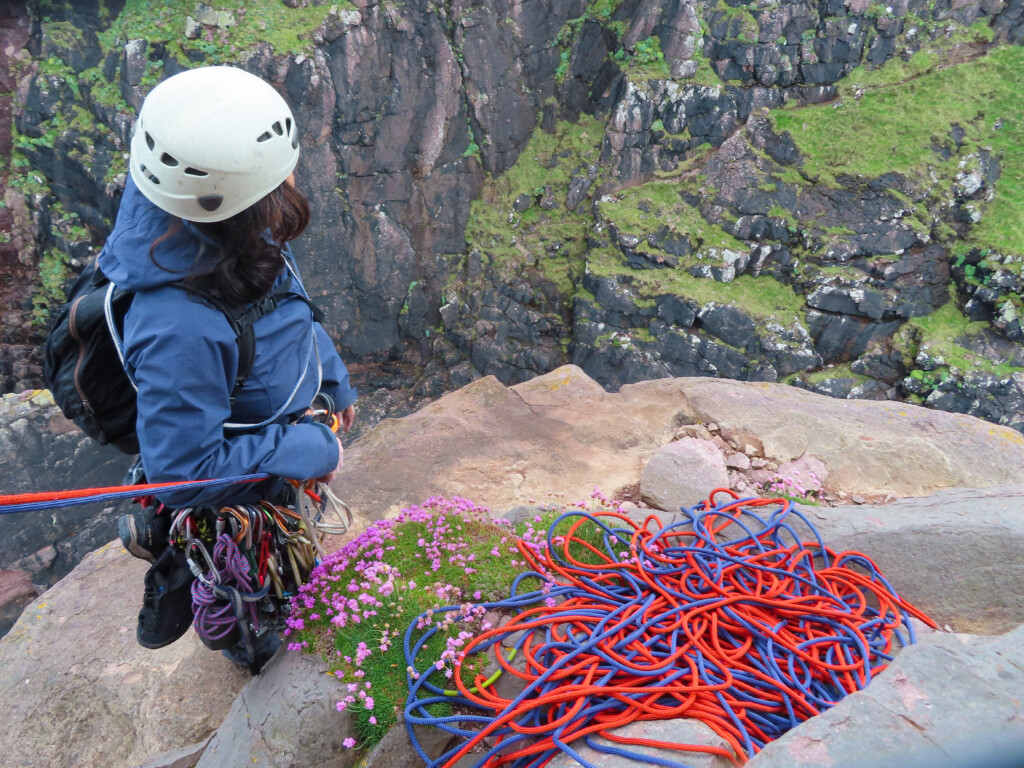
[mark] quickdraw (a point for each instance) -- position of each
(249, 559)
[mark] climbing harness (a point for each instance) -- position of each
(729, 617)
(247, 560)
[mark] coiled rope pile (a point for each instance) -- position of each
(730, 617)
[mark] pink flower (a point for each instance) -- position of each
(373, 720)
(348, 743)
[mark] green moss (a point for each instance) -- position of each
(942, 331)
(895, 127)
(761, 297)
(103, 91)
(550, 242)
(645, 62)
(53, 272)
(840, 371)
(603, 10)
(705, 74)
(81, 119)
(778, 212)
(63, 33)
(666, 208)
(286, 30)
(743, 27)
(52, 66)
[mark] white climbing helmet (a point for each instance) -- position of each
(210, 142)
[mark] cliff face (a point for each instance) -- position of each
(820, 193)
(17, 275)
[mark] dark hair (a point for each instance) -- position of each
(250, 246)
(249, 259)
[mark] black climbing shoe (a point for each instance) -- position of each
(166, 601)
(265, 648)
(144, 534)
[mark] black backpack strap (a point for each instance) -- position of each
(242, 319)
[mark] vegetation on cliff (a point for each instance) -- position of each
(935, 129)
(360, 601)
(821, 178)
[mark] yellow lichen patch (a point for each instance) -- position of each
(1009, 434)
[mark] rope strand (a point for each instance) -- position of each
(729, 617)
(37, 502)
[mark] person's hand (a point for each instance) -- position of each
(329, 477)
(346, 417)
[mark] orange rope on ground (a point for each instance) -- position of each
(733, 619)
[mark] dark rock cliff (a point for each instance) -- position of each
(18, 358)
(643, 187)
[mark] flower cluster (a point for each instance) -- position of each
(793, 486)
(432, 568)
(359, 599)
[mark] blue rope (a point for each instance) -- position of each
(633, 597)
(39, 506)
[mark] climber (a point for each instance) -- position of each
(208, 210)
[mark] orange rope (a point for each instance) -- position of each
(714, 623)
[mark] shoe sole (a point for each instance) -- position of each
(162, 643)
(130, 540)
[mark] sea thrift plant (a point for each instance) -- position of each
(360, 600)
(793, 487)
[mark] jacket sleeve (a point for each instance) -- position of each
(335, 375)
(183, 370)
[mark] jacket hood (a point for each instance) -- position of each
(125, 258)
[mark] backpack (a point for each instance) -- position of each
(84, 367)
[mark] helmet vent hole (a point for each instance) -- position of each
(149, 174)
(288, 125)
(210, 202)
(295, 141)
(149, 141)
(277, 128)
(265, 136)
(195, 172)
(168, 160)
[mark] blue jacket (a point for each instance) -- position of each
(183, 356)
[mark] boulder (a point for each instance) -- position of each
(955, 554)
(951, 701)
(561, 432)
(396, 749)
(185, 757)
(807, 472)
(77, 691)
(869, 447)
(682, 473)
(16, 591)
(285, 718)
(680, 731)
(71, 665)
